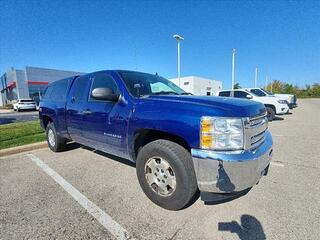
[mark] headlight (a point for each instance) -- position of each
(221, 133)
(282, 101)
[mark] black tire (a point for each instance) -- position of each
(59, 142)
(180, 161)
(270, 113)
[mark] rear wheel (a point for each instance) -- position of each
(270, 113)
(166, 175)
(55, 142)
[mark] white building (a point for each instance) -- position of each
(198, 86)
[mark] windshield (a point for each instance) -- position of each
(141, 84)
(267, 92)
(258, 92)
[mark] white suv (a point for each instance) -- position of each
(290, 98)
(24, 104)
(273, 105)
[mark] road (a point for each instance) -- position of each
(24, 116)
(284, 205)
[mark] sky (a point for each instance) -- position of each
(280, 38)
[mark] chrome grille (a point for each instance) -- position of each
(255, 129)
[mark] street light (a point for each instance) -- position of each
(232, 74)
(179, 39)
(256, 78)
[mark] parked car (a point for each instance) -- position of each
(290, 98)
(24, 104)
(273, 105)
(180, 143)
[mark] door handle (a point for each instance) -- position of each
(86, 112)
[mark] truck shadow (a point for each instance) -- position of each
(277, 118)
(74, 145)
(249, 228)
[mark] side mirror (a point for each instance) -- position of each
(248, 96)
(105, 94)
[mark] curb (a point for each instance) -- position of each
(24, 148)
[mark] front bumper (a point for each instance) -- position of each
(283, 109)
(227, 172)
(292, 105)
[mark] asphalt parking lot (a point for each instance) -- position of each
(46, 195)
(11, 117)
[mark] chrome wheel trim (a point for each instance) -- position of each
(160, 176)
(51, 139)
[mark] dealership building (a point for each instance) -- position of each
(32, 81)
(198, 86)
(29, 82)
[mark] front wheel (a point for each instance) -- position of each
(55, 142)
(166, 174)
(270, 113)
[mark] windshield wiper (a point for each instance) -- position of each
(166, 92)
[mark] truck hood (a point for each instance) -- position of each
(229, 107)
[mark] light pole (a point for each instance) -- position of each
(179, 39)
(266, 85)
(256, 78)
(232, 76)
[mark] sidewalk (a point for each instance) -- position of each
(6, 111)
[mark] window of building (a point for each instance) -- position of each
(208, 93)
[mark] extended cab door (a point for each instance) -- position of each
(104, 127)
(76, 104)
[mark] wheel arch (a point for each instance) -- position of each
(46, 120)
(271, 106)
(145, 136)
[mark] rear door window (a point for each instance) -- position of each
(258, 92)
(224, 94)
(79, 88)
(240, 94)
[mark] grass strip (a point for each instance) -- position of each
(18, 134)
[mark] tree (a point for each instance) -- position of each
(236, 86)
(278, 86)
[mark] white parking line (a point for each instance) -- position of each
(277, 164)
(103, 218)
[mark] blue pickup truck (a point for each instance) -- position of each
(181, 144)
